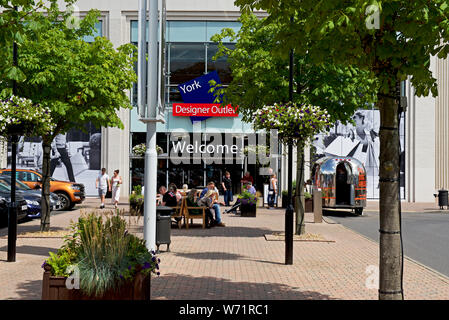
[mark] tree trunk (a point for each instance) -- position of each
(299, 193)
(45, 202)
(390, 264)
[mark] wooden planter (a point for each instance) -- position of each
(285, 199)
(54, 288)
(308, 205)
(247, 209)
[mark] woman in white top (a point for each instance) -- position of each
(272, 191)
(116, 181)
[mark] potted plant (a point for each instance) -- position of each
(284, 198)
(100, 260)
(140, 149)
(136, 202)
(308, 202)
(248, 205)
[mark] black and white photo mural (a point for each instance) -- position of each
(75, 156)
(361, 141)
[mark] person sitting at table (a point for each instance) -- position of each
(211, 186)
(216, 203)
(185, 189)
(162, 191)
(192, 201)
(208, 201)
(169, 198)
(175, 190)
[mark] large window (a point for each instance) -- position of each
(189, 53)
(98, 32)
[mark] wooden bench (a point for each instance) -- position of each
(179, 213)
(189, 214)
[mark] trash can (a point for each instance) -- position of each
(163, 226)
(443, 198)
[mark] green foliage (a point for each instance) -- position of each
(409, 32)
(260, 71)
(60, 263)
(79, 82)
(137, 190)
(13, 29)
(136, 201)
(105, 254)
(307, 195)
(245, 194)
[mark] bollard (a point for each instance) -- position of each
(317, 206)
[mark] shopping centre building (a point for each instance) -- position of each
(189, 52)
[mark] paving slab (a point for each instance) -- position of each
(237, 262)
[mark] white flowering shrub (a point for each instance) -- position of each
(294, 122)
(21, 116)
(140, 149)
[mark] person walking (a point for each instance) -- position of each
(116, 181)
(227, 188)
(272, 191)
(103, 185)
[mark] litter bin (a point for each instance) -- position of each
(163, 226)
(443, 198)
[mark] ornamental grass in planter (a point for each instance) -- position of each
(102, 261)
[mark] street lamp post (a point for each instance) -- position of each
(149, 114)
(290, 210)
(12, 208)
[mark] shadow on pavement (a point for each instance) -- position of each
(183, 287)
(23, 228)
(30, 290)
(220, 256)
(197, 231)
(340, 213)
(31, 250)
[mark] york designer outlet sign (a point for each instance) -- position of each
(199, 102)
(203, 110)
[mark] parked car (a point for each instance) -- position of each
(69, 193)
(5, 199)
(32, 197)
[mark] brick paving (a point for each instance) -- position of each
(237, 262)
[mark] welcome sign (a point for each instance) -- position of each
(199, 102)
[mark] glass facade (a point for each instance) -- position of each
(189, 55)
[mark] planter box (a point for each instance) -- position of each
(284, 201)
(54, 288)
(247, 209)
(308, 205)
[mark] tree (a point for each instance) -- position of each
(12, 30)
(260, 71)
(392, 40)
(79, 82)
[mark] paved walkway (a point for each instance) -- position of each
(237, 262)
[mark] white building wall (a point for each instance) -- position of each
(116, 16)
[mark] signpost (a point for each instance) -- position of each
(151, 109)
